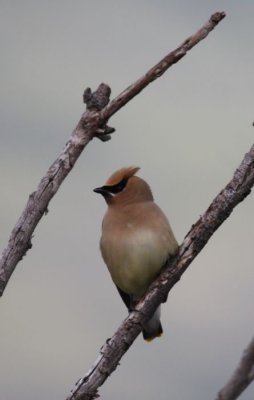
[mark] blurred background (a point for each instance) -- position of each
(188, 131)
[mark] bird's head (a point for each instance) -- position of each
(123, 187)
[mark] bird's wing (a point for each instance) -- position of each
(127, 299)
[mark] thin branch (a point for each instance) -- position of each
(241, 378)
(91, 124)
(219, 210)
(159, 69)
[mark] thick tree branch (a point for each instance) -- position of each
(219, 210)
(241, 378)
(92, 124)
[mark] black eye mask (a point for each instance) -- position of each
(112, 189)
(117, 188)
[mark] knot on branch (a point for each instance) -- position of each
(104, 133)
(217, 17)
(96, 101)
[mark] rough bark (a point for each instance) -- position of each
(219, 210)
(92, 124)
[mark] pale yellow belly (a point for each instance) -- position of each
(135, 260)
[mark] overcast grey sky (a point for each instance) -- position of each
(187, 131)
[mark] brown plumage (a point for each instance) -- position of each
(136, 239)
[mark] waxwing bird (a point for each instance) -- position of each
(136, 239)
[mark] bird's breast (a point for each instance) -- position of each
(134, 256)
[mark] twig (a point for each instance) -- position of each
(219, 210)
(92, 124)
(162, 66)
(241, 378)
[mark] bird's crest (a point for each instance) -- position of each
(120, 174)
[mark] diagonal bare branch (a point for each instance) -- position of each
(91, 124)
(162, 66)
(241, 378)
(219, 210)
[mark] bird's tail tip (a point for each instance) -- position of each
(149, 335)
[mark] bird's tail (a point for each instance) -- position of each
(153, 328)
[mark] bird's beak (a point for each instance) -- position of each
(102, 190)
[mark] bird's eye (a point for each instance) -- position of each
(119, 186)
